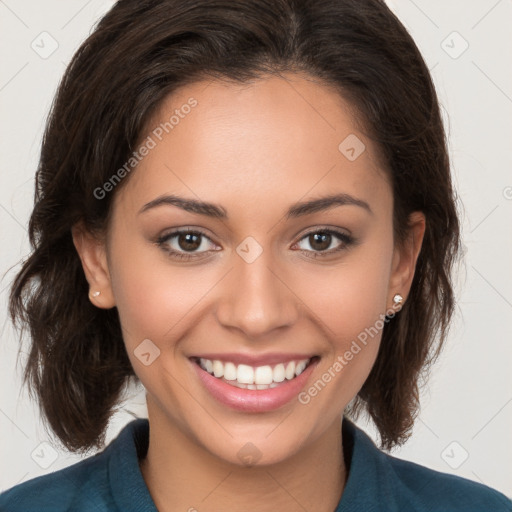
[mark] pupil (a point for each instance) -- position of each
(323, 239)
(189, 241)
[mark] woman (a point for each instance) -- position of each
(247, 207)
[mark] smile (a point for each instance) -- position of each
(255, 378)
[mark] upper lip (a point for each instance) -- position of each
(255, 360)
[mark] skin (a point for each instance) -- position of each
(255, 150)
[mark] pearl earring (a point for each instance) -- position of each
(95, 294)
(398, 299)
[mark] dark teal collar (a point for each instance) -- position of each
(130, 492)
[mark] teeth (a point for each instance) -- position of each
(209, 365)
(218, 369)
(230, 372)
(263, 375)
(245, 374)
(290, 370)
(253, 386)
(247, 377)
(300, 367)
(278, 373)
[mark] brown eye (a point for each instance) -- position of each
(324, 242)
(189, 241)
(185, 244)
(320, 241)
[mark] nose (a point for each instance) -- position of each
(256, 299)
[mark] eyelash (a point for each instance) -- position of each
(346, 240)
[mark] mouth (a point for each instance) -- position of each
(244, 376)
(254, 389)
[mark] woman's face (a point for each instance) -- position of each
(263, 279)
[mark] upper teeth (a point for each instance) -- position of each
(260, 375)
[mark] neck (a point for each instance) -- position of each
(182, 476)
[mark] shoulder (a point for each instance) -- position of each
(433, 490)
(81, 486)
(392, 484)
(109, 480)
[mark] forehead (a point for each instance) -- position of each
(277, 138)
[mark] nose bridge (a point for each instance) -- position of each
(256, 301)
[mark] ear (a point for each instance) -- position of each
(405, 256)
(92, 252)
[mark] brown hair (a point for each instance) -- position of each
(140, 52)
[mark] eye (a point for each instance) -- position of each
(189, 244)
(185, 244)
(323, 242)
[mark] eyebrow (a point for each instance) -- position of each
(296, 210)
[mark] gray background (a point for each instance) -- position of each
(466, 418)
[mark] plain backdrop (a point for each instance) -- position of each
(465, 423)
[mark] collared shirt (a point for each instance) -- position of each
(377, 482)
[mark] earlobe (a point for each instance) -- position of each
(92, 253)
(406, 256)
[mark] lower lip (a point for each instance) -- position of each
(252, 400)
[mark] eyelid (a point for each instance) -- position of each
(184, 229)
(346, 240)
(324, 229)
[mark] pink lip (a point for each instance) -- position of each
(252, 400)
(251, 360)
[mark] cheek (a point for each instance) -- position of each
(349, 303)
(350, 298)
(152, 295)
